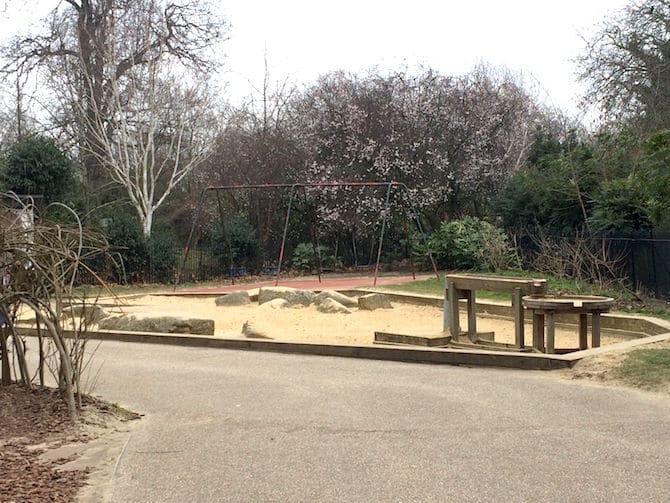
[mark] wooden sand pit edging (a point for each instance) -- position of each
(659, 328)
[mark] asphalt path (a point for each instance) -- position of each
(225, 425)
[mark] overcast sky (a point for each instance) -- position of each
(305, 38)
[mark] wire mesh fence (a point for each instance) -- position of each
(642, 260)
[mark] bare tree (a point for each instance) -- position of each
(88, 48)
(156, 131)
(627, 63)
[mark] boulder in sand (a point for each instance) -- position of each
(253, 332)
(293, 296)
(233, 299)
(332, 306)
(162, 324)
(275, 304)
(374, 301)
(345, 300)
(89, 313)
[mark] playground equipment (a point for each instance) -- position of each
(549, 307)
(464, 286)
(293, 188)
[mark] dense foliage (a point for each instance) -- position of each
(37, 166)
(475, 145)
(471, 243)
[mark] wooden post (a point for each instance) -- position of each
(583, 330)
(472, 316)
(595, 329)
(454, 324)
(551, 333)
(538, 331)
(445, 316)
(517, 307)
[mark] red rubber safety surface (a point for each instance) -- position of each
(330, 282)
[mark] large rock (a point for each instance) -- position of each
(162, 324)
(337, 296)
(250, 330)
(331, 306)
(275, 304)
(292, 295)
(374, 301)
(89, 313)
(233, 299)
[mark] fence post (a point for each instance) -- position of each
(632, 261)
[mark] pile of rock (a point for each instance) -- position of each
(327, 301)
(96, 315)
(161, 324)
(282, 297)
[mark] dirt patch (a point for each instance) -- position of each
(308, 324)
(602, 368)
(35, 424)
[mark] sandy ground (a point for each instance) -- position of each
(308, 324)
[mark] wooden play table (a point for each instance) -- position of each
(583, 305)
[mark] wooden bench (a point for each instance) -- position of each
(465, 286)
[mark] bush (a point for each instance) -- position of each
(471, 243)
(304, 258)
(125, 237)
(37, 166)
(621, 206)
(162, 258)
(237, 237)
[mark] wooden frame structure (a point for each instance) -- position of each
(464, 286)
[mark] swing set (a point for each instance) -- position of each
(293, 189)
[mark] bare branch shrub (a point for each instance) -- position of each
(580, 258)
(42, 264)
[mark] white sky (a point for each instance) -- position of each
(305, 38)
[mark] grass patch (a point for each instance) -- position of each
(626, 301)
(555, 286)
(649, 311)
(432, 286)
(646, 368)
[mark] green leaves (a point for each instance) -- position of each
(471, 243)
(37, 166)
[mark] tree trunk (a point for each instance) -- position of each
(6, 371)
(147, 223)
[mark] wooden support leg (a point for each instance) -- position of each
(445, 316)
(472, 316)
(551, 333)
(538, 331)
(454, 324)
(595, 330)
(517, 307)
(583, 330)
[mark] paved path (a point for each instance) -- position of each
(243, 426)
(328, 282)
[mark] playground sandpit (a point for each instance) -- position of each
(306, 323)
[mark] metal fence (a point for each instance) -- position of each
(646, 263)
(642, 259)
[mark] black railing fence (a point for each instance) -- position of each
(641, 259)
(209, 262)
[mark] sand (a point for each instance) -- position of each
(308, 324)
